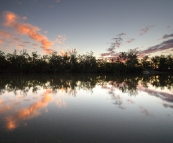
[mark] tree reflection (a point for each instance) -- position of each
(72, 83)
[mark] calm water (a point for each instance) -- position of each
(86, 109)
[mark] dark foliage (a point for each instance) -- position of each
(71, 62)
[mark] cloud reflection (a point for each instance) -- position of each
(167, 105)
(146, 112)
(13, 121)
(163, 95)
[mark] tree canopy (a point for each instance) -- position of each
(71, 62)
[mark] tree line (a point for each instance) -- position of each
(71, 62)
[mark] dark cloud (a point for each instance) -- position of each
(105, 54)
(122, 34)
(130, 40)
(166, 45)
(26, 42)
(160, 47)
(111, 54)
(16, 39)
(35, 45)
(145, 30)
(111, 48)
(167, 36)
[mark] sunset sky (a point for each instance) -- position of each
(87, 25)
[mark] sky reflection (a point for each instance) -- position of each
(85, 104)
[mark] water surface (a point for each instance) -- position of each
(86, 109)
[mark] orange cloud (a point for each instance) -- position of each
(12, 20)
(4, 34)
(1, 41)
(32, 111)
(32, 32)
(20, 47)
(1, 101)
(5, 108)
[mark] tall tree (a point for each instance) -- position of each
(155, 61)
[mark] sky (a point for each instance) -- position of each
(105, 27)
